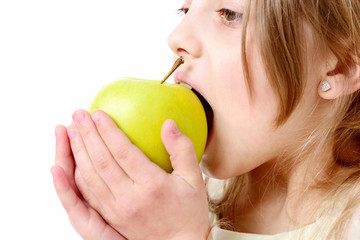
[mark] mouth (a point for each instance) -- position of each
(208, 110)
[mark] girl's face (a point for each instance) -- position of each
(243, 134)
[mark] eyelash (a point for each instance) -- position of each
(182, 11)
(227, 15)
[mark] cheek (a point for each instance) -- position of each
(231, 89)
(234, 93)
(264, 99)
(243, 123)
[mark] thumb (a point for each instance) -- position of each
(182, 153)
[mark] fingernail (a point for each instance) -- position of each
(79, 117)
(174, 129)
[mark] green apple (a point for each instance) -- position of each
(140, 107)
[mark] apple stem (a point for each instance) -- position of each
(177, 63)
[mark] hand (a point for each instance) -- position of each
(86, 221)
(133, 194)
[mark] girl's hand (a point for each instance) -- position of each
(86, 221)
(133, 194)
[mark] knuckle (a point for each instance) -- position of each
(122, 151)
(101, 160)
(87, 178)
(110, 213)
(77, 177)
(186, 146)
(135, 205)
(131, 208)
(187, 143)
(76, 148)
(82, 190)
(155, 190)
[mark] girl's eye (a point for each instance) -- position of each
(183, 10)
(229, 16)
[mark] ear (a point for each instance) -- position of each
(341, 80)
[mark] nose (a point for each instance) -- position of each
(185, 38)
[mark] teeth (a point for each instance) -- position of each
(186, 85)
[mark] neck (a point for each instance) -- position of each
(284, 199)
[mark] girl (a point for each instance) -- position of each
(282, 78)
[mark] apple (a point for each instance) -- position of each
(140, 107)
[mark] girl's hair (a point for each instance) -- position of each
(336, 25)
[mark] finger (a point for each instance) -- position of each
(94, 182)
(105, 209)
(85, 192)
(182, 153)
(63, 154)
(131, 159)
(69, 199)
(85, 221)
(95, 202)
(111, 234)
(106, 166)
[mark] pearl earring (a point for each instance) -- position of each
(325, 86)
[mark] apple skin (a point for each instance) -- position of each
(140, 107)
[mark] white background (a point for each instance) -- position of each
(54, 56)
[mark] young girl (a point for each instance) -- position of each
(282, 78)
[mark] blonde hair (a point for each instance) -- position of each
(336, 24)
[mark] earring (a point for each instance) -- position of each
(325, 86)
